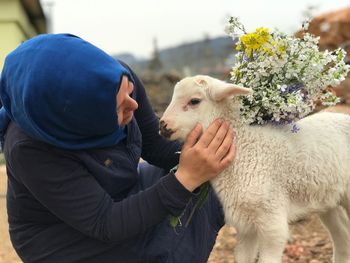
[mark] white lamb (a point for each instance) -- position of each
(277, 176)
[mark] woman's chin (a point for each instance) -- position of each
(126, 120)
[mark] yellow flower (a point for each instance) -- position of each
(238, 47)
(281, 48)
(264, 35)
(254, 41)
(267, 50)
(250, 41)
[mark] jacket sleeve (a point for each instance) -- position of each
(155, 148)
(62, 185)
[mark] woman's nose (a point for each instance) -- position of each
(133, 105)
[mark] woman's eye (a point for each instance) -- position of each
(194, 101)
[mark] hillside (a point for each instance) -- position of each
(204, 56)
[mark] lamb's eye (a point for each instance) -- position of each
(194, 101)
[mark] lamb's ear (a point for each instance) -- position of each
(221, 90)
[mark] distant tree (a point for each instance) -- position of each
(207, 49)
(155, 64)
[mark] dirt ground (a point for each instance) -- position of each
(7, 254)
(308, 243)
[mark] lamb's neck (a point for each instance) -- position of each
(248, 133)
(231, 112)
(228, 111)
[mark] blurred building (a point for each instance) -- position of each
(19, 21)
(333, 29)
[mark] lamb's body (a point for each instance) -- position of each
(277, 176)
(275, 169)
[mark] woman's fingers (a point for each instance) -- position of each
(224, 147)
(219, 137)
(204, 157)
(193, 136)
(210, 133)
(229, 157)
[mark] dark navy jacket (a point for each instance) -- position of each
(87, 205)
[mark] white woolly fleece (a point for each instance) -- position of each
(277, 176)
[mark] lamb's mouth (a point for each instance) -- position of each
(164, 131)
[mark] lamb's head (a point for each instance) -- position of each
(198, 99)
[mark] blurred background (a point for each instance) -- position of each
(164, 41)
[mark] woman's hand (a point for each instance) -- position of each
(202, 160)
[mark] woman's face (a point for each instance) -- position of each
(125, 104)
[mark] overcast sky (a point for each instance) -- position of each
(119, 26)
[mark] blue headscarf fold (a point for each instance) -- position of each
(62, 90)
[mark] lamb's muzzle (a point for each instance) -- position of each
(164, 131)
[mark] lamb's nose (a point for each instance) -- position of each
(163, 129)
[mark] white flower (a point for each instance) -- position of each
(286, 73)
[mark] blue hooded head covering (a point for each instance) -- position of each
(62, 90)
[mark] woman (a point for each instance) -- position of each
(75, 123)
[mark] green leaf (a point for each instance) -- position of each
(174, 221)
(203, 194)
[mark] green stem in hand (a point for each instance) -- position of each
(202, 197)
